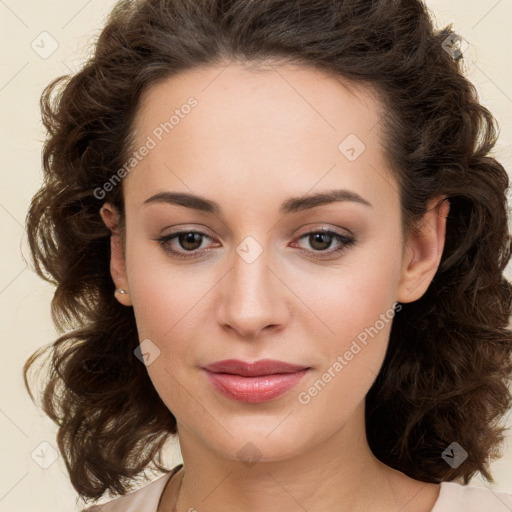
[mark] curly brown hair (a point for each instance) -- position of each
(447, 369)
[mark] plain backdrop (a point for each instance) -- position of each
(45, 39)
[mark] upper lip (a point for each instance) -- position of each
(256, 369)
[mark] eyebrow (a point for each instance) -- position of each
(291, 205)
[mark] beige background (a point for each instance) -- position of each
(25, 300)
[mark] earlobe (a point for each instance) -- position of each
(110, 217)
(424, 248)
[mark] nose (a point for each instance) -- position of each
(253, 297)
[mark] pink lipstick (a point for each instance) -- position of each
(256, 382)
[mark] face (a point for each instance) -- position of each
(268, 272)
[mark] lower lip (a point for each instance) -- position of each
(254, 390)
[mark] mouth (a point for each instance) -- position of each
(256, 382)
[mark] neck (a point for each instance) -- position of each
(339, 474)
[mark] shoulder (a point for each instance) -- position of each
(144, 499)
(454, 497)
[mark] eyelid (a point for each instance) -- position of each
(328, 229)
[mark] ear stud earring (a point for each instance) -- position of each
(118, 290)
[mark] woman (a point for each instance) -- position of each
(278, 235)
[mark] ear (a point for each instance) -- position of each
(423, 250)
(110, 217)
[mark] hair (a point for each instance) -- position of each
(447, 369)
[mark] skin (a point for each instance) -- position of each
(257, 137)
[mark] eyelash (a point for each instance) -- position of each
(345, 242)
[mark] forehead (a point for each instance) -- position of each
(241, 128)
(265, 99)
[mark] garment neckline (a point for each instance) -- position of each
(169, 478)
(446, 490)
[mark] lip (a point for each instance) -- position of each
(256, 382)
(256, 369)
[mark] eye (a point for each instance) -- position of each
(321, 240)
(189, 241)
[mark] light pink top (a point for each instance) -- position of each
(453, 497)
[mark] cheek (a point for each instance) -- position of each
(171, 304)
(164, 294)
(351, 361)
(350, 314)
(348, 299)
(165, 300)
